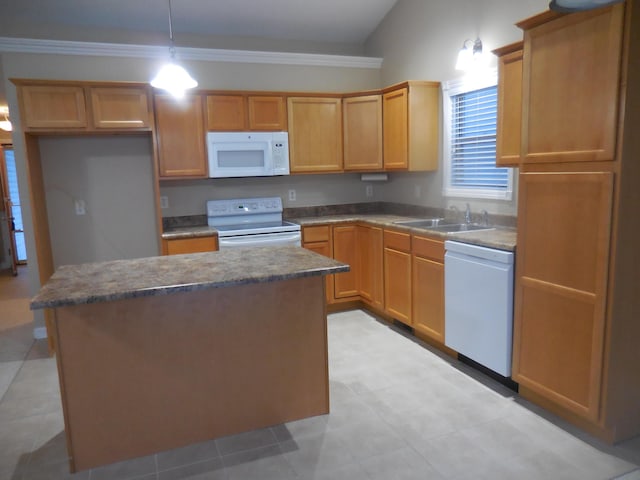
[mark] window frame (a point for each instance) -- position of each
(450, 89)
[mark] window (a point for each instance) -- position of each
(470, 111)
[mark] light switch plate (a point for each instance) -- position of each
(164, 201)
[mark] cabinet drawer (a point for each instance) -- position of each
(315, 234)
(397, 241)
(190, 245)
(428, 248)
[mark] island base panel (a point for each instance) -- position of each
(154, 373)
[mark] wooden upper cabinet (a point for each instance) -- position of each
(571, 69)
(86, 107)
(53, 107)
(509, 125)
(180, 136)
(396, 137)
(267, 112)
(120, 108)
(246, 112)
(410, 119)
(362, 132)
(226, 112)
(315, 134)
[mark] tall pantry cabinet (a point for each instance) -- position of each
(577, 322)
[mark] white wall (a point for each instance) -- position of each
(420, 40)
(113, 176)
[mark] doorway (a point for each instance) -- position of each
(12, 208)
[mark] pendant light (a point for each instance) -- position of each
(172, 77)
(568, 6)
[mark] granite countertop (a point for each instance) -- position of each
(502, 238)
(189, 232)
(122, 279)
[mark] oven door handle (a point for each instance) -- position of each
(287, 238)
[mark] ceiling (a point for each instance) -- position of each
(336, 21)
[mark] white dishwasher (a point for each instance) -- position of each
(478, 298)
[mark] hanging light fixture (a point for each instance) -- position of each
(172, 77)
(470, 55)
(6, 123)
(568, 6)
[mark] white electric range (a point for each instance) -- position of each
(251, 222)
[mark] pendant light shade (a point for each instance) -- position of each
(6, 123)
(172, 77)
(470, 55)
(568, 6)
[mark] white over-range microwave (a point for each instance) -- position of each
(248, 154)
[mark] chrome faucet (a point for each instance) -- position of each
(467, 215)
(455, 211)
(485, 218)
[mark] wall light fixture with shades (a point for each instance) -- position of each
(470, 55)
(5, 123)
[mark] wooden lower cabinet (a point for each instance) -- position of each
(564, 224)
(370, 266)
(397, 275)
(317, 238)
(189, 245)
(345, 249)
(427, 264)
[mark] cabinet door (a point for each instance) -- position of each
(397, 275)
(315, 134)
(570, 87)
(370, 265)
(226, 112)
(345, 250)
(189, 245)
(428, 297)
(508, 133)
(181, 138)
(267, 113)
(120, 108)
(318, 239)
(362, 122)
(428, 287)
(52, 107)
(395, 129)
(561, 283)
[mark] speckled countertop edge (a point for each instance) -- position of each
(163, 275)
(502, 238)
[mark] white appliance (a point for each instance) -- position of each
(478, 304)
(251, 222)
(247, 154)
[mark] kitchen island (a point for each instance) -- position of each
(161, 352)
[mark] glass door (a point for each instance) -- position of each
(12, 209)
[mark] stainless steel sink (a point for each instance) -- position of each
(460, 227)
(422, 223)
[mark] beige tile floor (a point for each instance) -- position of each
(399, 410)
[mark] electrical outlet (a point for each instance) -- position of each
(417, 191)
(79, 207)
(164, 201)
(292, 195)
(369, 190)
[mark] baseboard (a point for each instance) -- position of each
(40, 333)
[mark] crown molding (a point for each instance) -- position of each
(65, 47)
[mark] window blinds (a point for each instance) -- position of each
(473, 141)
